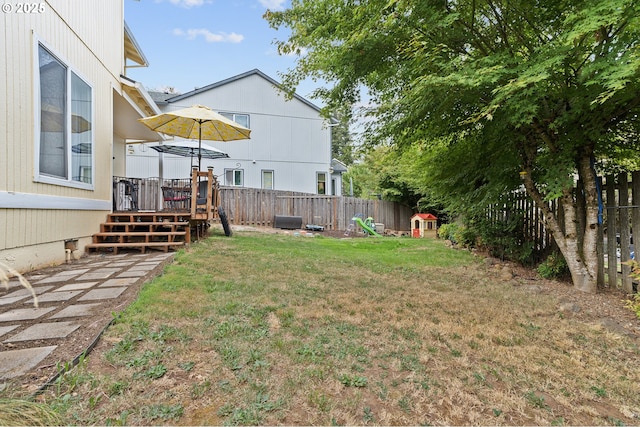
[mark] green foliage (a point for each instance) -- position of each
(553, 267)
(448, 231)
(156, 371)
(163, 412)
(383, 172)
(341, 142)
(353, 380)
(505, 239)
(633, 303)
(535, 400)
(476, 92)
(458, 234)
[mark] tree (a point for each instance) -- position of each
(341, 142)
(554, 84)
(383, 173)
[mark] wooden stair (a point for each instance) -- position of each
(142, 231)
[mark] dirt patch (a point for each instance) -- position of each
(606, 308)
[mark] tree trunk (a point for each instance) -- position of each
(582, 260)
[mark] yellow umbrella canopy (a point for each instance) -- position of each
(197, 122)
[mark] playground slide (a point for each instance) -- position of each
(365, 227)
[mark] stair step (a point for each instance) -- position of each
(140, 233)
(142, 230)
(139, 245)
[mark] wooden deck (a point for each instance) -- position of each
(188, 206)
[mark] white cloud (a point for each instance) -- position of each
(272, 4)
(209, 37)
(189, 3)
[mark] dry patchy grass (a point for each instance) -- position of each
(272, 329)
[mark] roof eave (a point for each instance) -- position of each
(132, 50)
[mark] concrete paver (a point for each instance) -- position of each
(132, 273)
(106, 293)
(70, 296)
(76, 310)
(57, 296)
(6, 329)
(45, 331)
(76, 286)
(125, 281)
(59, 277)
(103, 273)
(27, 293)
(24, 314)
(17, 362)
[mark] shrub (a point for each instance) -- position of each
(634, 303)
(553, 267)
(448, 232)
(505, 239)
(467, 237)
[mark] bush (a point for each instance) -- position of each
(458, 234)
(553, 267)
(448, 232)
(634, 303)
(505, 239)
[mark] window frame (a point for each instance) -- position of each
(37, 113)
(263, 180)
(318, 175)
(234, 115)
(233, 177)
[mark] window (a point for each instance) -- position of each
(267, 180)
(241, 119)
(234, 177)
(66, 117)
(322, 182)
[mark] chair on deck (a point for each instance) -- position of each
(174, 198)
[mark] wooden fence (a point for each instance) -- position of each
(257, 207)
(621, 197)
(620, 215)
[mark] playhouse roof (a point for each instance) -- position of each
(426, 216)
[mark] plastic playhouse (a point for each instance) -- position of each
(424, 225)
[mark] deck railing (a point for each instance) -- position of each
(197, 195)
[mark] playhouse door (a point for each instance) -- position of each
(416, 232)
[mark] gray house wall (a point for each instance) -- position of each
(288, 137)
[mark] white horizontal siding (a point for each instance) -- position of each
(88, 36)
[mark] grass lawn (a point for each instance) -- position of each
(275, 329)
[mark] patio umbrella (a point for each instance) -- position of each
(197, 122)
(190, 149)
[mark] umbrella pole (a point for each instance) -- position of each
(199, 145)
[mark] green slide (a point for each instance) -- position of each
(366, 227)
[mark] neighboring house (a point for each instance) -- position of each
(289, 149)
(66, 111)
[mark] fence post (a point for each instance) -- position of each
(612, 258)
(600, 242)
(625, 253)
(635, 213)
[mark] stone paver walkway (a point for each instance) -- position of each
(75, 299)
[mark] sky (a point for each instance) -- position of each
(194, 43)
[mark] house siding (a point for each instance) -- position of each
(92, 46)
(288, 137)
